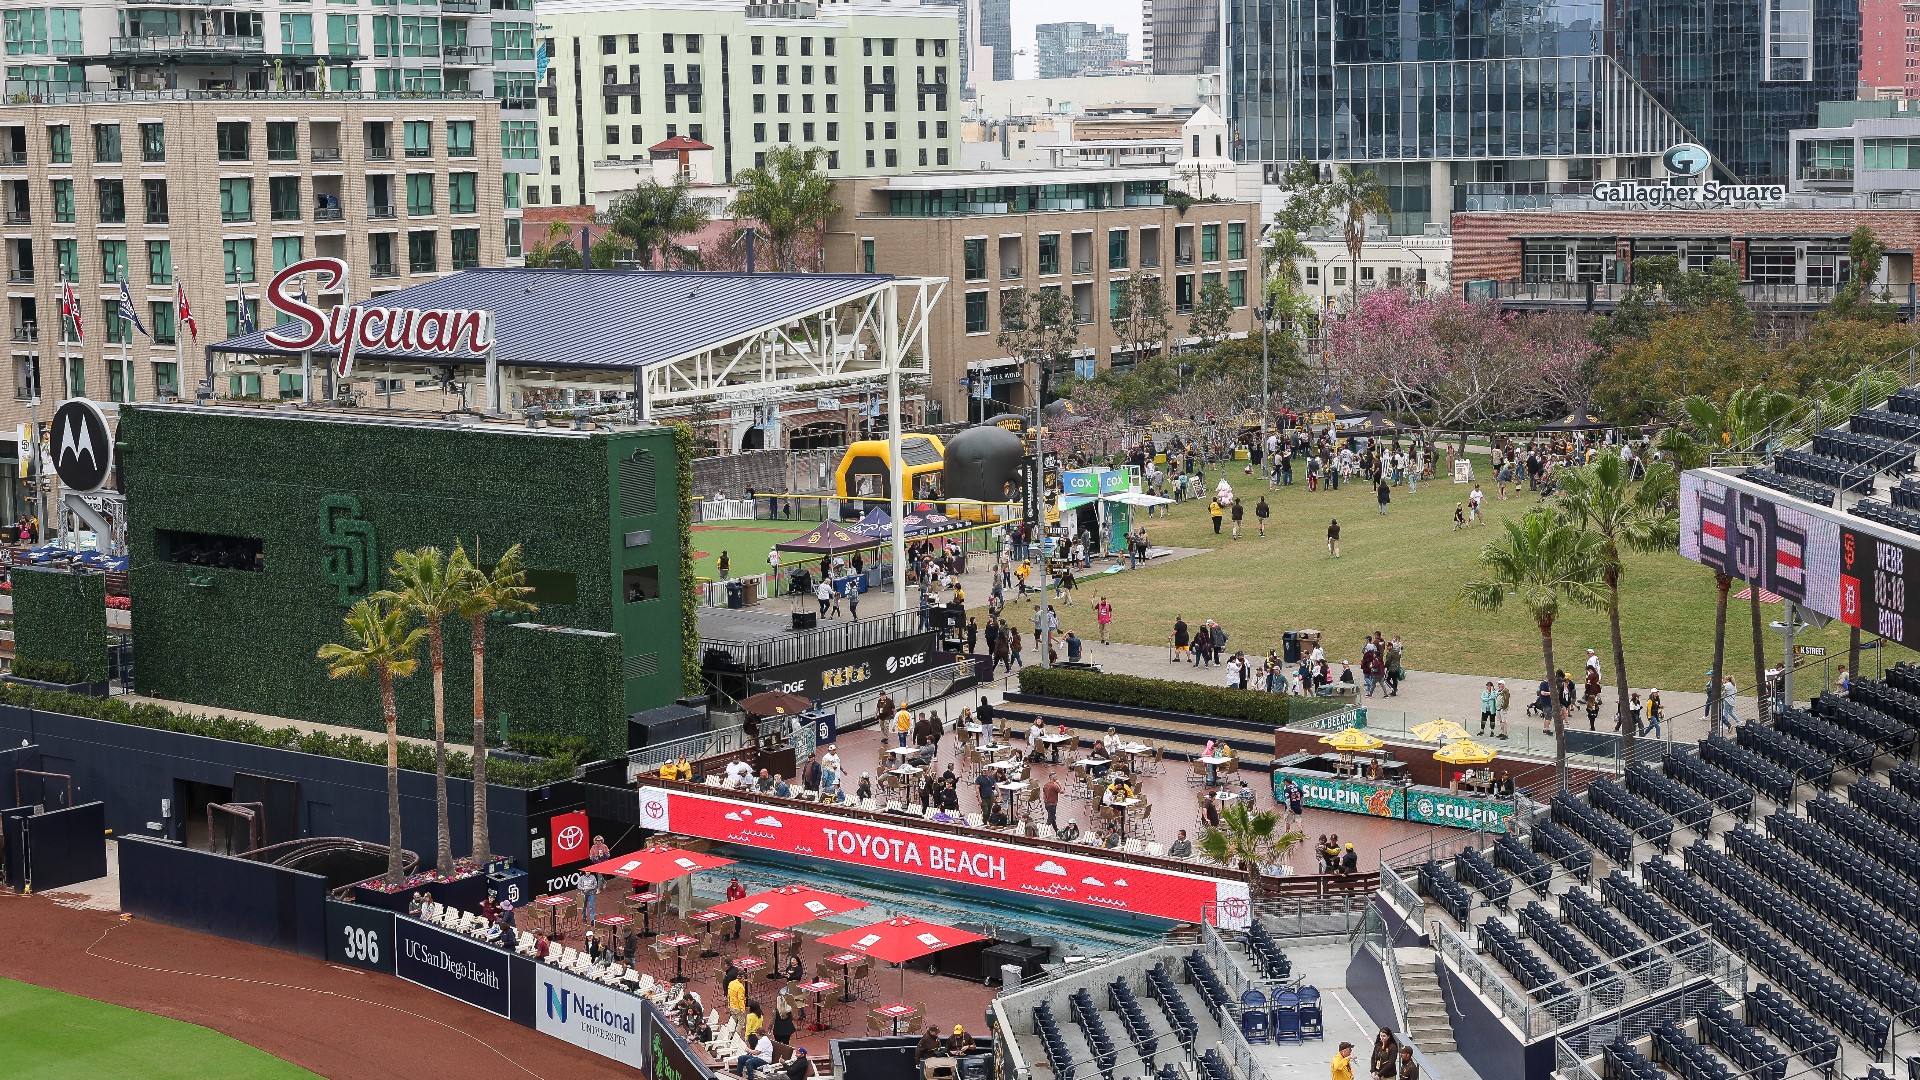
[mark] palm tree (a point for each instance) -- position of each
(1355, 197)
(652, 216)
(380, 646)
(1247, 839)
(790, 196)
(1543, 560)
(1749, 412)
(1601, 498)
(484, 592)
(431, 585)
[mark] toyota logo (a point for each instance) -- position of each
(570, 837)
(1236, 907)
(656, 809)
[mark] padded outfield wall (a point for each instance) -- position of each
(305, 511)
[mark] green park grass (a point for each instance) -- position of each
(1401, 574)
(746, 544)
(48, 1035)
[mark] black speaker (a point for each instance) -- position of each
(804, 620)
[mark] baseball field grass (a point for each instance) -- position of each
(48, 1035)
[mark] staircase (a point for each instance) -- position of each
(1427, 1024)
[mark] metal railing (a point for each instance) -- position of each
(165, 43)
(1569, 1065)
(325, 154)
(1401, 892)
(929, 685)
(692, 747)
(1868, 388)
(808, 644)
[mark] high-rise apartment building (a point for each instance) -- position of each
(426, 52)
(1890, 46)
(871, 84)
(996, 37)
(1570, 84)
(1146, 33)
(1186, 36)
(1067, 49)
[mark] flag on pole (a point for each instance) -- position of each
(185, 310)
(126, 309)
(246, 317)
(70, 309)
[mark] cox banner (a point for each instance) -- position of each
(590, 1016)
(1458, 811)
(964, 860)
(453, 964)
(1339, 793)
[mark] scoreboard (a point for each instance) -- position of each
(1875, 583)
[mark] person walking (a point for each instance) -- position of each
(1013, 648)
(1182, 641)
(1382, 495)
(1050, 798)
(1489, 708)
(1333, 538)
(1654, 712)
(1239, 513)
(1506, 702)
(1103, 614)
(1261, 511)
(1216, 511)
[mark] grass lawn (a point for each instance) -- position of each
(55, 1036)
(1400, 575)
(745, 542)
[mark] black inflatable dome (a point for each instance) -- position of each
(981, 463)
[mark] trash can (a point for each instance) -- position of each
(752, 591)
(1360, 716)
(736, 594)
(1290, 647)
(1009, 977)
(510, 884)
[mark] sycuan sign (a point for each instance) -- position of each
(452, 333)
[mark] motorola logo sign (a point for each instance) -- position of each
(1686, 159)
(82, 446)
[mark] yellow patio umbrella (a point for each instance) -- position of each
(1352, 740)
(1439, 731)
(1465, 752)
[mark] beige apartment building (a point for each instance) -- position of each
(1083, 230)
(212, 193)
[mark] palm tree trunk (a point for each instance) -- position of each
(1759, 654)
(1724, 584)
(1619, 667)
(1559, 714)
(1853, 651)
(481, 842)
(390, 711)
(436, 649)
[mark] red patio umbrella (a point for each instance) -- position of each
(658, 864)
(899, 940)
(788, 906)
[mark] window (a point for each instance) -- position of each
(1049, 254)
(166, 379)
(236, 199)
(286, 251)
(1117, 249)
(1339, 275)
(60, 144)
(459, 138)
(866, 256)
(520, 140)
(67, 254)
(460, 194)
(1237, 287)
(513, 238)
(1236, 240)
(119, 332)
(63, 31)
(1182, 293)
(159, 262)
(423, 255)
(153, 142)
(296, 34)
(1209, 243)
(106, 144)
(282, 142)
(512, 41)
(510, 190)
(116, 368)
(113, 200)
(940, 156)
(1311, 274)
(113, 261)
(343, 34)
(1890, 153)
(233, 316)
(62, 202)
(76, 372)
(465, 248)
(243, 386)
(156, 196)
(235, 141)
(160, 319)
(640, 584)
(237, 258)
(1789, 37)
(419, 194)
(419, 136)
(27, 32)
(283, 198)
(976, 313)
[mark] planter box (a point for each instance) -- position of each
(464, 892)
(86, 689)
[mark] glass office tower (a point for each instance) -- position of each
(1431, 80)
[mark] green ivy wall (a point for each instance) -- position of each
(329, 499)
(61, 618)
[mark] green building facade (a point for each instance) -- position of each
(254, 529)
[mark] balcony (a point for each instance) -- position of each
(282, 213)
(1010, 273)
(330, 213)
(27, 334)
(13, 157)
(20, 277)
(325, 155)
(187, 45)
(467, 55)
(383, 270)
(1082, 266)
(1183, 258)
(19, 217)
(379, 153)
(379, 213)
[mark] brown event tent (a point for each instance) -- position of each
(1376, 423)
(827, 538)
(1575, 421)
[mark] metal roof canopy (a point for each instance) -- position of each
(670, 336)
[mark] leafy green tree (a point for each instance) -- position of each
(1247, 839)
(1661, 287)
(653, 216)
(1601, 498)
(1542, 561)
(791, 197)
(1856, 299)
(429, 585)
(1745, 415)
(484, 594)
(1354, 198)
(1705, 352)
(1212, 315)
(382, 646)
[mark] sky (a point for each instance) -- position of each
(1122, 15)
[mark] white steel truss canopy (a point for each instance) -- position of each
(673, 337)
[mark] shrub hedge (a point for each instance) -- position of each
(566, 753)
(1136, 692)
(60, 617)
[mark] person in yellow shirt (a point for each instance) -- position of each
(1343, 1062)
(902, 725)
(1214, 511)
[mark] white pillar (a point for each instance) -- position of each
(1440, 190)
(896, 467)
(1556, 170)
(306, 377)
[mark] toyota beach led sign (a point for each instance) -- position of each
(964, 860)
(453, 333)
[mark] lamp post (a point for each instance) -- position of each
(1042, 631)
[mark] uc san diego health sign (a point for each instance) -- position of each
(451, 333)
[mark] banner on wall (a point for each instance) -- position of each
(668, 1054)
(453, 964)
(962, 860)
(589, 1015)
(1340, 793)
(1457, 811)
(1761, 541)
